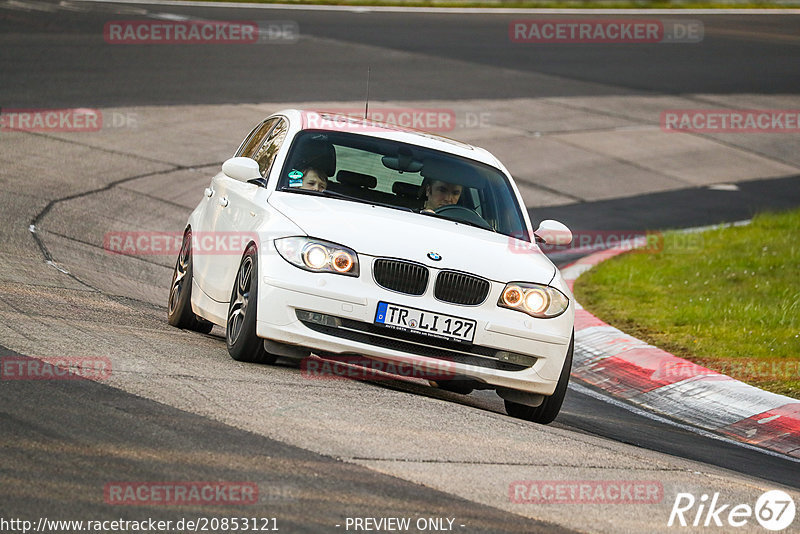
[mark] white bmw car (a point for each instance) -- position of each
(360, 238)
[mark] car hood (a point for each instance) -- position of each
(378, 231)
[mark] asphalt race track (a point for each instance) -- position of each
(177, 408)
(413, 57)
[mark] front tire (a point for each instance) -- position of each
(547, 411)
(179, 305)
(240, 334)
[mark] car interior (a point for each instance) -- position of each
(389, 173)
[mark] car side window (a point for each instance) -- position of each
(256, 139)
(265, 155)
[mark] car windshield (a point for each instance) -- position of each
(399, 175)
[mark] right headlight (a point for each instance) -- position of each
(537, 300)
(317, 255)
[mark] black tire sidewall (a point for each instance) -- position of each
(182, 316)
(248, 347)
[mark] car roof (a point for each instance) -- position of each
(321, 120)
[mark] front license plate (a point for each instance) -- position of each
(425, 322)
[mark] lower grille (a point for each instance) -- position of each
(411, 343)
(460, 288)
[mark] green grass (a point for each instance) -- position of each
(560, 4)
(728, 299)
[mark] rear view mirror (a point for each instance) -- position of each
(554, 233)
(403, 162)
(242, 169)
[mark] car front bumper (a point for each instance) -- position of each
(285, 289)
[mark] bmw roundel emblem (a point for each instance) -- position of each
(434, 256)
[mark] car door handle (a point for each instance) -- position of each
(223, 202)
(209, 192)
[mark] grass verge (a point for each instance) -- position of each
(727, 299)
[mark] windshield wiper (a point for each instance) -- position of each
(462, 221)
(334, 194)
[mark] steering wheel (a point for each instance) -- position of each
(460, 213)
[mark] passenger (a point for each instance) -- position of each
(438, 193)
(314, 179)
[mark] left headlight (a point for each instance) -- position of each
(537, 300)
(317, 255)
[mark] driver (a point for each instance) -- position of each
(439, 193)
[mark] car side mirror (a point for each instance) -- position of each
(242, 169)
(553, 233)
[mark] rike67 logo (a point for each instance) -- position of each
(774, 510)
